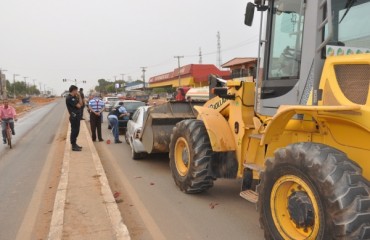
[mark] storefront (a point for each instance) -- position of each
(193, 75)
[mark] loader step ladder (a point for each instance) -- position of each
(250, 196)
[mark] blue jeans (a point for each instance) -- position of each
(114, 123)
(3, 126)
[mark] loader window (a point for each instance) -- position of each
(350, 25)
(286, 39)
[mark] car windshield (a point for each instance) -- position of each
(132, 106)
(112, 99)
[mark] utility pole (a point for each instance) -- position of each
(144, 70)
(14, 75)
(40, 88)
(200, 56)
(123, 76)
(219, 60)
(179, 65)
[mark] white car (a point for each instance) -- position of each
(109, 103)
(133, 133)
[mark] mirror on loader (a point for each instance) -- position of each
(249, 12)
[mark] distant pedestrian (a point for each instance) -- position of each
(96, 106)
(113, 118)
(82, 95)
(74, 104)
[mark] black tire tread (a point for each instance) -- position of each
(340, 181)
(198, 179)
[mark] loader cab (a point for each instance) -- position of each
(295, 36)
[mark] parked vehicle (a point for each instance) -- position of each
(109, 103)
(134, 129)
(155, 96)
(131, 106)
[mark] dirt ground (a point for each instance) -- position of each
(35, 102)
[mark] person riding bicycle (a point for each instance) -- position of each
(7, 115)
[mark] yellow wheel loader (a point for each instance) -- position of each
(299, 135)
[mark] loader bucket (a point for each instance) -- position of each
(160, 121)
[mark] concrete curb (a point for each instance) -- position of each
(120, 229)
(56, 227)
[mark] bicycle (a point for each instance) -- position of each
(8, 133)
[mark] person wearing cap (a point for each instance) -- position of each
(96, 106)
(113, 117)
(74, 104)
(82, 95)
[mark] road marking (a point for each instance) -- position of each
(56, 226)
(120, 229)
(29, 220)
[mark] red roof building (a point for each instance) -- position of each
(242, 67)
(193, 75)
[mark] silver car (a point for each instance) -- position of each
(133, 133)
(109, 103)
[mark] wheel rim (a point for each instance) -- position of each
(282, 205)
(182, 156)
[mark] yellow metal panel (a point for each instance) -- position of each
(220, 135)
(277, 125)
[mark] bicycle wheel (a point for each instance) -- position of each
(9, 136)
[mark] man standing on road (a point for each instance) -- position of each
(82, 95)
(7, 115)
(113, 117)
(74, 104)
(96, 106)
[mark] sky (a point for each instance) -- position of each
(51, 40)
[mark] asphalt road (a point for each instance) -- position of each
(154, 208)
(21, 167)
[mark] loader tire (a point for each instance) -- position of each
(313, 191)
(190, 156)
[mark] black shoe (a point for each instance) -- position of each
(93, 140)
(4, 141)
(13, 133)
(76, 146)
(117, 141)
(101, 140)
(76, 149)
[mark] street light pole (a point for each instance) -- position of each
(3, 84)
(14, 75)
(179, 65)
(144, 70)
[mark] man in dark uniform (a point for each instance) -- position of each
(82, 95)
(74, 104)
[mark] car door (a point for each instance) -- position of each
(131, 125)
